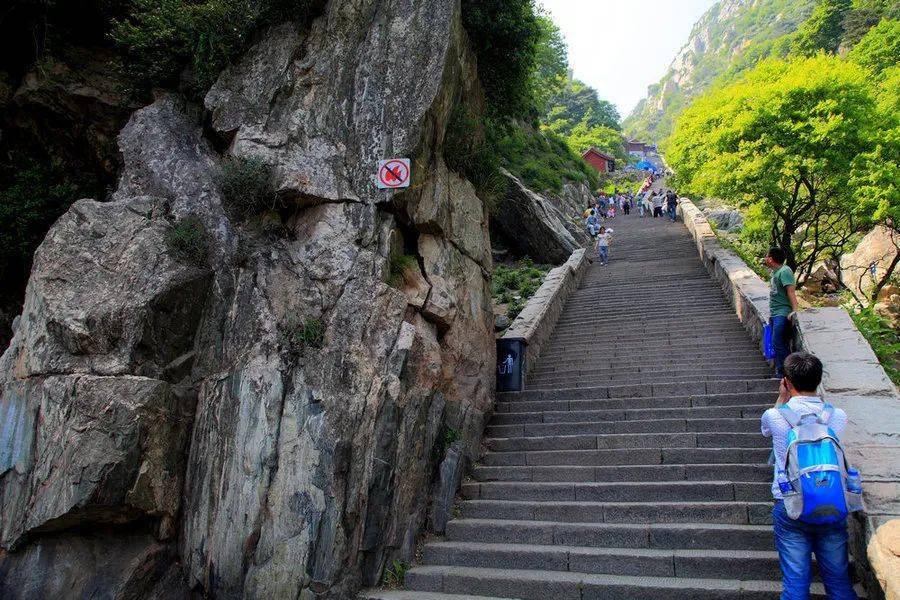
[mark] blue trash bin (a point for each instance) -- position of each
(510, 364)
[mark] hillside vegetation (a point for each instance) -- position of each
(736, 35)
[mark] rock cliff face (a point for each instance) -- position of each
(731, 36)
(166, 428)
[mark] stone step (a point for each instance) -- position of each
(619, 491)
(707, 349)
(643, 364)
(739, 564)
(661, 535)
(688, 381)
(639, 390)
(638, 404)
(420, 595)
(628, 440)
(710, 324)
(675, 472)
(559, 585)
(573, 415)
(740, 512)
(687, 334)
(627, 456)
(611, 427)
(686, 374)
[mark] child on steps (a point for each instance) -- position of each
(603, 241)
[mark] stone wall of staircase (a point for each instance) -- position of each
(854, 380)
(536, 322)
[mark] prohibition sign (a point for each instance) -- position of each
(393, 173)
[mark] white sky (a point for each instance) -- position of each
(619, 47)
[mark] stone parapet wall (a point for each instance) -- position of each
(854, 380)
(536, 322)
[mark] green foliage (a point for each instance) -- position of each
(304, 333)
(395, 574)
(879, 49)
(34, 196)
(884, 339)
(398, 263)
(574, 103)
(753, 32)
(467, 151)
(551, 64)
(823, 29)
(160, 37)
(543, 160)
(513, 286)
(505, 35)
(246, 186)
(785, 135)
(188, 241)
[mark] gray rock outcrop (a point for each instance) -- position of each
(181, 409)
(879, 248)
(725, 219)
(532, 225)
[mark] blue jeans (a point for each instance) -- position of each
(672, 213)
(603, 254)
(781, 339)
(797, 541)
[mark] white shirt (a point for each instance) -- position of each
(775, 426)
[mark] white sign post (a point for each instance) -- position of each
(393, 173)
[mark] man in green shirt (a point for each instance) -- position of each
(782, 306)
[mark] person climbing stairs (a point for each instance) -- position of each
(632, 466)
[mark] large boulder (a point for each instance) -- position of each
(725, 219)
(316, 394)
(571, 202)
(879, 249)
(532, 225)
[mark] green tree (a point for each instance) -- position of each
(505, 35)
(823, 29)
(879, 49)
(785, 136)
(584, 136)
(551, 64)
(577, 102)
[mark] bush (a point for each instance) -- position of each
(34, 196)
(884, 339)
(187, 241)
(395, 574)
(398, 263)
(304, 333)
(161, 37)
(467, 152)
(246, 187)
(504, 35)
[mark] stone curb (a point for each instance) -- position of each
(854, 379)
(536, 322)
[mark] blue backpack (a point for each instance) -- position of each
(818, 484)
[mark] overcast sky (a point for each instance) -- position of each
(619, 47)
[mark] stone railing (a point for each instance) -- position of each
(536, 322)
(853, 380)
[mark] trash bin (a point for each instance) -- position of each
(510, 364)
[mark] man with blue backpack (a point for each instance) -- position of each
(814, 486)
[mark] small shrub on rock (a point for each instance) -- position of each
(187, 241)
(398, 264)
(246, 187)
(304, 333)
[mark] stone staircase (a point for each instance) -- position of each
(632, 466)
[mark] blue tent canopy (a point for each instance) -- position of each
(645, 166)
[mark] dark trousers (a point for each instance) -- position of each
(657, 211)
(781, 339)
(626, 208)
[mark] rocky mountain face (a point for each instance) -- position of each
(168, 428)
(731, 36)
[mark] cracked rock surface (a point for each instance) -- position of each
(164, 432)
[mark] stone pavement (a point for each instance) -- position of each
(632, 466)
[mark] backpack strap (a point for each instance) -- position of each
(825, 414)
(789, 415)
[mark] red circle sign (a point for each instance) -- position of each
(393, 173)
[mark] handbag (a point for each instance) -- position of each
(768, 342)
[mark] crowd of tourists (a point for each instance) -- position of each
(603, 208)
